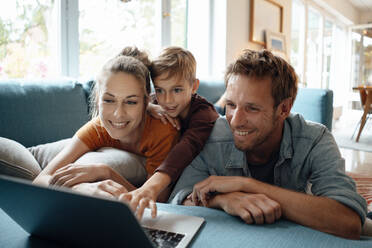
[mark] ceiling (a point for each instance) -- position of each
(362, 5)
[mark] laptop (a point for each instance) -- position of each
(69, 218)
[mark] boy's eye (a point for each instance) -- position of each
(158, 91)
(178, 90)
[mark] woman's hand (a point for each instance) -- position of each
(158, 112)
(73, 174)
(106, 188)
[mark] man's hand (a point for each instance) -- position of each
(140, 199)
(204, 190)
(252, 208)
(73, 174)
(106, 188)
(158, 112)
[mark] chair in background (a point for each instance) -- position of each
(366, 101)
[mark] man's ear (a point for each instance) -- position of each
(195, 86)
(284, 108)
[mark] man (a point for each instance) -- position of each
(262, 163)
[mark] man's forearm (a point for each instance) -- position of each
(321, 213)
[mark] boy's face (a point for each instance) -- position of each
(174, 94)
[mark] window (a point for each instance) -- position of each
(314, 49)
(318, 47)
(298, 38)
(28, 39)
(119, 24)
(49, 38)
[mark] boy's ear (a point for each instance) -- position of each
(195, 86)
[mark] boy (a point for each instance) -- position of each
(174, 76)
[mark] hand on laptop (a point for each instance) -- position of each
(107, 188)
(140, 199)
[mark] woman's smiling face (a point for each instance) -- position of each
(121, 106)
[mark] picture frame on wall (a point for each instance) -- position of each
(276, 43)
(264, 15)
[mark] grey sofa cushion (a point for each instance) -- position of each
(16, 160)
(38, 112)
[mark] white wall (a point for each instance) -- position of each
(366, 17)
(237, 27)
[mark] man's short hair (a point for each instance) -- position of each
(174, 61)
(263, 64)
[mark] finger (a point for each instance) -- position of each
(144, 202)
(133, 204)
(246, 216)
(171, 120)
(60, 181)
(114, 189)
(194, 197)
(126, 197)
(63, 168)
(257, 214)
(103, 194)
(154, 210)
(73, 181)
(163, 119)
(203, 194)
(178, 124)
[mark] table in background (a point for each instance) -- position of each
(219, 230)
(365, 93)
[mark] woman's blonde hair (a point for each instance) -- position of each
(131, 61)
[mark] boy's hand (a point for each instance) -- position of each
(140, 199)
(158, 112)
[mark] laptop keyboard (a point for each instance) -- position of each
(163, 239)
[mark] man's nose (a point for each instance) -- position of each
(237, 117)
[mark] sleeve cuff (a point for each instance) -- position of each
(180, 196)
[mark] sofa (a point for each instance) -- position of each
(35, 112)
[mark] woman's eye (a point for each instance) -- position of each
(132, 102)
(108, 100)
(158, 91)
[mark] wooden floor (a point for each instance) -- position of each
(357, 161)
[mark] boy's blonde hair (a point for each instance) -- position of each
(174, 61)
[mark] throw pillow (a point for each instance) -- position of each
(46, 152)
(16, 160)
(128, 165)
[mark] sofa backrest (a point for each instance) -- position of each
(315, 105)
(37, 112)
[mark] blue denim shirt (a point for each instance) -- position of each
(309, 161)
